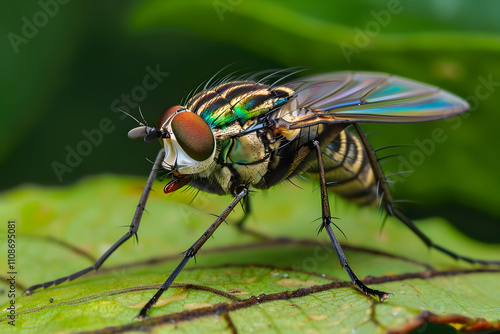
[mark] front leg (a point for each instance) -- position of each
(134, 227)
(240, 192)
(326, 224)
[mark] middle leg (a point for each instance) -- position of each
(326, 224)
(191, 252)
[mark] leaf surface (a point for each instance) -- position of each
(291, 282)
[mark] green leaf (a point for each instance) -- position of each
(291, 282)
(454, 46)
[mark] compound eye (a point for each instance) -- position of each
(194, 135)
(166, 115)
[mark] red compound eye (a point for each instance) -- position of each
(170, 111)
(194, 135)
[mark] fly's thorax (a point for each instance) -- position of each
(242, 159)
(207, 146)
(237, 102)
(190, 145)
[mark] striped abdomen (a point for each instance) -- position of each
(348, 171)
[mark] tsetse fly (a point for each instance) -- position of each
(242, 133)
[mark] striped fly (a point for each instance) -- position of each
(242, 133)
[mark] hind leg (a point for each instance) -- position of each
(387, 203)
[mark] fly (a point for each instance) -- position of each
(244, 133)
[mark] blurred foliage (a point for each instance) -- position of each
(232, 263)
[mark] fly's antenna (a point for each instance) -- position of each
(145, 131)
(135, 119)
(142, 116)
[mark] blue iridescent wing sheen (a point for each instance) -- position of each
(370, 97)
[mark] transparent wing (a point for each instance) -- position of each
(368, 97)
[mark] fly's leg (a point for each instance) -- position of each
(246, 212)
(134, 227)
(240, 193)
(326, 224)
(388, 204)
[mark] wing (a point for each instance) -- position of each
(368, 97)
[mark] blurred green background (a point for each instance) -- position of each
(66, 67)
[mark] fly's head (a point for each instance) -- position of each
(188, 141)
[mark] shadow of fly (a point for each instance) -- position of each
(251, 132)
